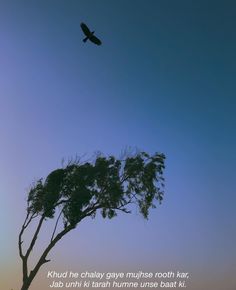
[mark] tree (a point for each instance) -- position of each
(80, 189)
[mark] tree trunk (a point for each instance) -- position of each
(27, 279)
(26, 284)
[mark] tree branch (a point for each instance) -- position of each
(61, 202)
(35, 236)
(20, 242)
(56, 225)
(24, 226)
(53, 242)
(90, 210)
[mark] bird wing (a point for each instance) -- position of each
(85, 29)
(95, 40)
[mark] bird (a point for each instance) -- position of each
(89, 34)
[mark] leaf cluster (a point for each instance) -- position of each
(108, 184)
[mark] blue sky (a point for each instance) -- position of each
(163, 80)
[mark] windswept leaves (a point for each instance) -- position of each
(108, 184)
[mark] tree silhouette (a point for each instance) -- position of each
(80, 189)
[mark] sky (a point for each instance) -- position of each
(162, 80)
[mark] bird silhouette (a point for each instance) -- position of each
(89, 34)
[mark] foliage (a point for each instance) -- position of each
(108, 185)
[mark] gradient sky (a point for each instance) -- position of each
(163, 80)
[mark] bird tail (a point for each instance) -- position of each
(85, 39)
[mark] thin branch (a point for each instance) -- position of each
(35, 236)
(34, 215)
(20, 242)
(61, 202)
(26, 218)
(24, 226)
(56, 225)
(90, 210)
(124, 178)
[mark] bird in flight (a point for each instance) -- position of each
(89, 34)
